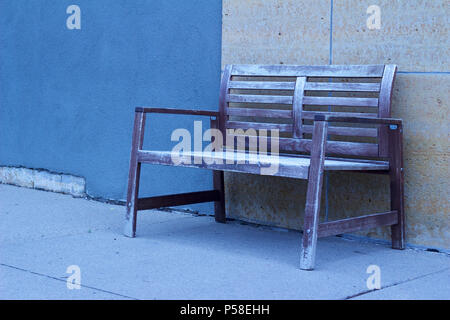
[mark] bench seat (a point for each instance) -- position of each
(293, 166)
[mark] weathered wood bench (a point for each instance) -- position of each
(329, 118)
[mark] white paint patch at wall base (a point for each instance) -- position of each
(43, 180)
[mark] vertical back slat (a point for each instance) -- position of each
(297, 106)
(384, 107)
(226, 77)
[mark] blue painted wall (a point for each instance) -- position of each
(67, 97)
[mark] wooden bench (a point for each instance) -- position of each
(328, 118)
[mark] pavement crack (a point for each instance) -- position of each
(64, 280)
(395, 284)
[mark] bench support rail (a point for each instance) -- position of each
(333, 228)
(180, 199)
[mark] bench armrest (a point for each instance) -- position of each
(386, 121)
(179, 111)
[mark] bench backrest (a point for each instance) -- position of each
(287, 98)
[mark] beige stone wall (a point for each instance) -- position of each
(413, 35)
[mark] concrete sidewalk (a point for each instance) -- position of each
(184, 256)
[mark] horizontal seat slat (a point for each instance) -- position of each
(288, 166)
(254, 112)
(340, 101)
(354, 71)
(309, 115)
(259, 98)
(258, 126)
(346, 131)
(230, 161)
(333, 147)
(309, 86)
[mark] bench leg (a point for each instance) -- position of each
(398, 233)
(134, 175)
(218, 184)
(312, 210)
(313, 196)
(132, 197)
(219, 206)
